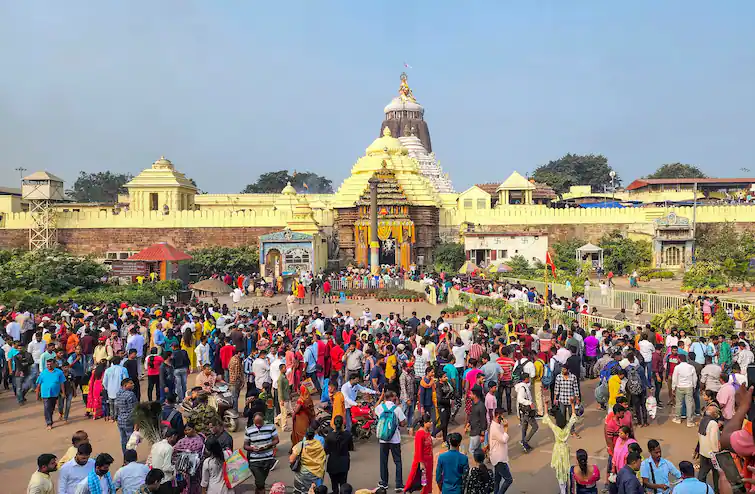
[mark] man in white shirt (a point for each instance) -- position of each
(14, 330)
(348, 320)
(683, 384)
(562, 355)
(744, 356)
(261, 370)
(75, 469)
(275, 367)
(646, 350)
(101, 469)
(162, 455)
(392, 445)
(131, 476)
(202, 351)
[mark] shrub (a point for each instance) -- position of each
(211, 260)
(703, 275)
(448, 257)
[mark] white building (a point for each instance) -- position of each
(484, 248)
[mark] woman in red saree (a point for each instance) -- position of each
(423, 459)
(299, 366)
(94, 398)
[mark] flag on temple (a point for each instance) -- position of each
(305, 185)
(407, 65)
(549, 262)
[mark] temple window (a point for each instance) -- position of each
(153, 203)
(297, 256)
(467, 203)
(481, 204)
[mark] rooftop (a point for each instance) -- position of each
(644, 182)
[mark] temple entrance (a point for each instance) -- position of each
(273, 263)
(388, 251)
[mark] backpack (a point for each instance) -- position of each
(517, 375)
(606, 373)
(387, 424)
(601, 393)
(547, 378)
(165, 424)
(634, 383)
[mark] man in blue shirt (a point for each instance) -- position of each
(310, 358)
(655, 470)
(689, 484)
(452, 468)
(49, 382)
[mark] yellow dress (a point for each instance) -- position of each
(192, 356)
(614, 390)
(561, 457)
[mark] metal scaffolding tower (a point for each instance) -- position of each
(41, 190)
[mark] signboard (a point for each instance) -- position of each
(129, 269)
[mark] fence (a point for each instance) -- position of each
(652, 303)
(366, 283)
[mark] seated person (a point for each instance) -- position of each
(207, 379)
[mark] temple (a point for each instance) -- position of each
(394, 207)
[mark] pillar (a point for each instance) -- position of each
(374, 245)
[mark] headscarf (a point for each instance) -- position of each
(304, 396)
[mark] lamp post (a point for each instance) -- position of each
(612, 174)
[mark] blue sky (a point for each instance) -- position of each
(231, 89)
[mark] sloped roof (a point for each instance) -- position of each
(43, 176)
(161, 251)
(490, 188)
(516, 182)
(543, 191)
(644, 182)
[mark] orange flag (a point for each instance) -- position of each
(549, 262)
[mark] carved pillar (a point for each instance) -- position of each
(374, 245)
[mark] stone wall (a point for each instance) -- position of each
(99, 241)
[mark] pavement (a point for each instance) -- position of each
(24, 437)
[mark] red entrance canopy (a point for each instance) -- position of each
(161, 251)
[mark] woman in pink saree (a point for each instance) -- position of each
(94, 398)
(621, 449)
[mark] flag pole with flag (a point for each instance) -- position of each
(548, 264)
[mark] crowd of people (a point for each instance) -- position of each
(378, 374)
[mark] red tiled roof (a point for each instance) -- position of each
(161, 251)
(490, 188)
(644, 182)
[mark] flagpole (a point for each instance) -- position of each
(545, 300)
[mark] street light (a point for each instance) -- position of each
(612, 174)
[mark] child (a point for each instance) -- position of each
(267, 397)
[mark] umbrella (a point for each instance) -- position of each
(212, 285)
(468, 267)
(499, 268)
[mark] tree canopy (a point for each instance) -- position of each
(677, 170)
(623, 255)
(273, 183)
(574, 169)
(99, 187)
(448, 257)
(211, 260)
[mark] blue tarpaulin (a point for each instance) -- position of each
(607, 204)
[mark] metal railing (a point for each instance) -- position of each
(366, 283)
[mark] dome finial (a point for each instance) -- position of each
(404, 91)
(289, 189)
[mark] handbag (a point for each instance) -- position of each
(296, 465)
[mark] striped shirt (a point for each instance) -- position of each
(261, 437)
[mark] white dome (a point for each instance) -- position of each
(399, 104)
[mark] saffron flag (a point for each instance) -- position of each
(305, 185)
(407, 65)
(549, 262)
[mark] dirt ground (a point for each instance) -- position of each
(24, 437)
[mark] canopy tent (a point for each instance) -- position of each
(211, 285)
(468, 267)
(606, 204)
(592, 253)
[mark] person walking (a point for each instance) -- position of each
(181, 368)
(311, 454)
(584, 477)
(683, 382)
(527, 411)
(499, 452)
(260, 441)
(655, 470)
(338, 444)
(453, 467)
(390, 419)
(125, 402)
(422, 463)
(152, 365)
(40, 481)
(112, 380)
(213, 478)
(49, 384)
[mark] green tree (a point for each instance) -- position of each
(303, 182)
(623, 255)
(211, 260)
(99, 187)
(574, 169)
(519, 265)
(49, 271)
(677, 170)
(565, 254)
(448, 257)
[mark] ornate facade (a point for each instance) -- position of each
(417, 208)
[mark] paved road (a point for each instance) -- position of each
(23, 438)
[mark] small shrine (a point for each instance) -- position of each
(673, 242)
